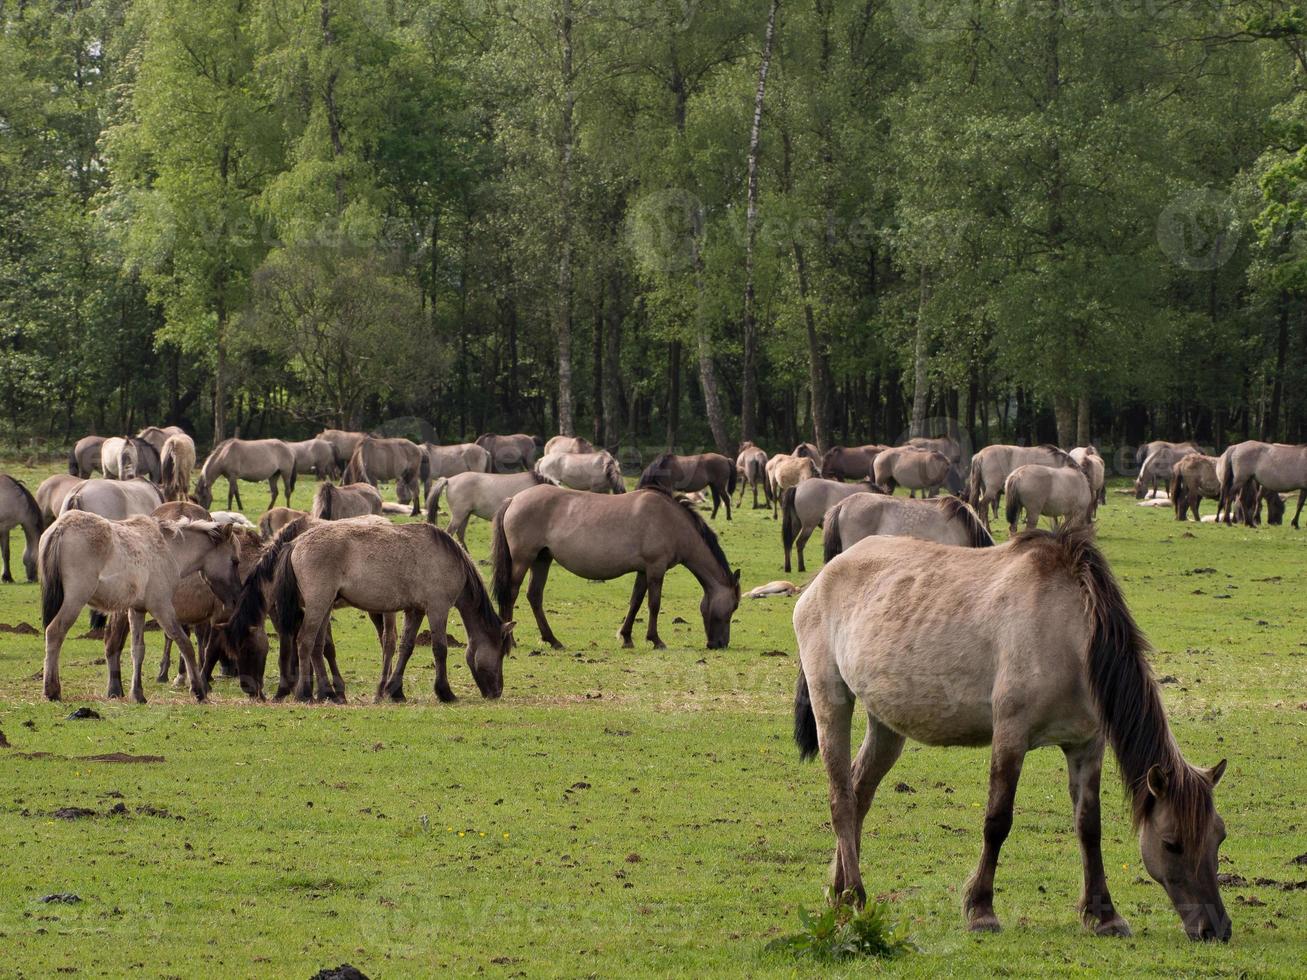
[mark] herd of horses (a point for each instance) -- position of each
(944, 636)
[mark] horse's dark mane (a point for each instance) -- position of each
(656, 471)
(29, 502)
(1127, 697)
(705, 532)
(1057, 451)
(474, 596)
(540, 478)
(958, 510)
(252, 603)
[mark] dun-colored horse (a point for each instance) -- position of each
(333, 503)
(1047, 491)
(247, 459)
(511, 453)
(176, 463)
(907, 466)
(598, 472)
(1275, 467)
(690, 473)
(785, 471)
(990, 468)
(84, 457)
(803, 510)
(1193, 478)
(944, 520)
(18, 508)
(751, 471)
(399, 460)
(850, 462)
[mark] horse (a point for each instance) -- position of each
(605, 537)
(803, 510)
(1026, 644)
(687, 473)
(511, 453)
(1192, 478)
(481, 494)
(333, 503)
(806, 450)
(1175, 450)
(132, 565)
(247, 459)
(751, 471)
(785, 471)
(273, 520)
(944, 520)
(118, 458)
(51, 493)
(400, 460)
(156, 436)
(917, 469)
(343, 443)
(18, 508)
(946, 445)
(410, 568)
(1048, 491)
(990, 468)
(465, 457)
(1157, 467)
(84, 457)
(568, 444)
(176, 463)
(850, 462)
(114, 500)
(598, 472)
(1088, 459)
(315, 456)
(1275, 467)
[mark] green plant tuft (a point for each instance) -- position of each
(840, 931)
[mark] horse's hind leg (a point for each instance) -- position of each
(880, 750)
(385, 627)
(655, 579)
(799, 543)
(115, 636)
(165, 664)
(1084, 765)
(4, 554)
(637, 597)
(393, 686)
(832, 708)
(535, 595)
(137, 620)
(272, 488)
(1302, 498)
(1006, 759)
(167, 618)
(54, 641)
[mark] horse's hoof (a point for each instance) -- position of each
(659, 645)
(1113, 927)
(627, 643)
(984, 922)
(557, 645)
(162, 678)
(396, 697)
(139, 698)
(446, 695)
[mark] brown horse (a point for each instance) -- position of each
(910, 467)
(803, 510)
(1193, 478)
(605, 537)
(511, 453)
(689, 473)
(1275, 467)
(405, 462)
(333, 503)
(850, 462)
(84, 457)
(944, 520)
(18, 508)
(1023, 645)
(1171, 451)
(751, 471)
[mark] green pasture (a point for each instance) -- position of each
(623, 812)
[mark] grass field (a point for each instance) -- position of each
(624, 812)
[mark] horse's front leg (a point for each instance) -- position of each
(655, 602)
(1084, 770)
(4, 554)
(438, 622)
(1302, 498)
(384, 624)
(167, 618)
(535, 595)
(136, 619)
(393, 683)
(637, 597)
(1008, 754)
(272, 489)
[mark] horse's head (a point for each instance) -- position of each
(486, 650)
(1141, 487)
(221, 568)
(203, 492)
(718, 606)
(1179, 835)
(829, 462)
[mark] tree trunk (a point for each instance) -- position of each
(673, 394)
(220, 378)
(816, 372)
(1271, 427)
(597, 368)
(920, 363)
(563, 320)
(1082, 419)
(749, 399)
(1064, 411)
(612, 393)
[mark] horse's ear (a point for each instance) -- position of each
(737, 578)
(1217, 771)
(1156, 781)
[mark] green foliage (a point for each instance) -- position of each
(840, 931)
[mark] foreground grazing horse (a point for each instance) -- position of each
(850, 462)
(481, 494)
(118, 459)
(84, 457)
(1193, 478)
(176, 463)
(18, 508)
(400, 460)
(315, 456)
(568, 444)
(511, 453)
(990, 468)
(333, 503)
(133, 566)
(785, 471)
(917, 469)
(114, 500)
(598, 472)
(247, 459)
(944, 520)
(1018, 646)
(1275, 467)
(411, 568)
(1048, 491)
(803, 510)
(600, 538)
(751, 471)
(689, 473)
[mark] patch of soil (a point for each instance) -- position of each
(1286, 886)
(1300, 859)
(20, 629)
(146, 810)
(424, 640)
(123, 757)
(343, 972)
(95, 634)
(4, 742)
(84, 714)
(60, 898)
(1231, 879)
(903, 788)
(72, 813)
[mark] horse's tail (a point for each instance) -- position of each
(74, 468)
(73, 501)
(789, 518)
(286, 594)
(355, 470)
(805, 721)
(830, 535)
(1176, 490)
(433, 501)
(732, 480)
(1226, 502)
(959, 510)
(501, 558)
(424, 468)
(265, 525)
(51, 575)
(1013, 502)
(324, 501)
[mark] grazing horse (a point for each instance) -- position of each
(850, 462)
(785, 471)
(944, 520)
(51, 493)
(466, 457)
(917, 469)
(1275, 467)
(1023, 645)
(689, 473)
(990, 468)
(947, 445)
(84, 457)
(1193, 478)
(401, 460)
(568, 444)
(343, 444)
(806, 450)
(1087, 458)
(156, 436)
(133, 565)
(114, 500)
(247, 459)
(273, 520)
(18, 508)
(315, 456)
(1177, 448)
(511, 453)
(598, 472)
(803, 510)
(333, 503)
(1157, 467)
(481, 494)
(176, 463)
(600, 538)
(1048, 491)
(118, 458)
(751, 471)
(412, 568)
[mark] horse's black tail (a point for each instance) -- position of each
(830, 535)
(433, 501)
(424, 468)
(1176, 490)
(1226, 502)
(73, 468)
(789, 518)
(1013, 505)
(52, 579)
(286, 593)
(502, 559)
(324, 501)
(805, 721)
(732, 480)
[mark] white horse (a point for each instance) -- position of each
(118, 458)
